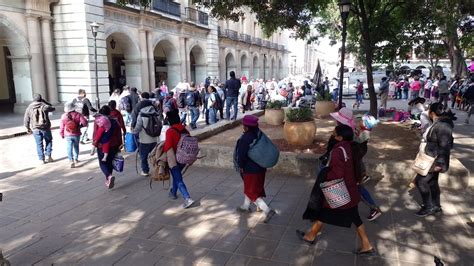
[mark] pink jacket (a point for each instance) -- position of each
(77, 117)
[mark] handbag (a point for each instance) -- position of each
(118, 163)
(263, 152)
(423, 162)
(335, 192)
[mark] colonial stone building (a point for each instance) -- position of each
(47, 47)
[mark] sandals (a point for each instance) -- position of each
(367, 252)
(301, 235)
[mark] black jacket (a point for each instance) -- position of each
(439, 142)
(232, 87)
(242, 149)
(136, 110)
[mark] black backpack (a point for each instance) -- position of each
(126, 104)
(191, 99)
(182, 100)
(218, 104)
(154, 125)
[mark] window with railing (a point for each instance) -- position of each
(232, 34)
(196, 16)
(167, 6)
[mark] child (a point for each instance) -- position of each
(102, 134)
(364, 125)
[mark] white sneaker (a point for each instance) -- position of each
(73, 165)
(188, 203)
(144, 174)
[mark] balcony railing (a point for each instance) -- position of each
(167, 6)
(281, 47)
(257, 41)
(232, 34)
(245, 38)
(266, 43)
(274, 45)
(196, 16)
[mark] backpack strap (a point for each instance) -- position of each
(345, 154)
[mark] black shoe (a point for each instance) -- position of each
(423, 212)
(437, 209)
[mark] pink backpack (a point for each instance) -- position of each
(187, 150)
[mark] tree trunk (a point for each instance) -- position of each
(370, 82)
(458, 63)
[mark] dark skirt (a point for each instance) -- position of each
(341, 217)
(254, 185)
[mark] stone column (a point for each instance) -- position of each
(36, 50)
(144, 62)
(222, 64)
(151, 59)
(22, 79)
(184, 58)
(238, 64)
(49, 61)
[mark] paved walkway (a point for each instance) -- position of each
(52, 214)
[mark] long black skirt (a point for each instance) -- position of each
(340, 217)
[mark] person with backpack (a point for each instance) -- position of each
(145, 101)
(193, 102)
(36, 121)
(221, 93)
(115, 114)
(182, 107)
(148, 129)
(70, 128)
(232, 87)
(172, 147)
(253, 175)
(83, 106)
(468, 97)
(169, 103)
(214, 104)
(108, 140)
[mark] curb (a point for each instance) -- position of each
(23, 132)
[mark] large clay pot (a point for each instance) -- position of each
(274, 116)
(324, 108)
(299, 133)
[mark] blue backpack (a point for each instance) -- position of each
(263, 152)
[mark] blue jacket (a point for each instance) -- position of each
(232, 87)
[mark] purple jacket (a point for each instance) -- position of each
(77, 117)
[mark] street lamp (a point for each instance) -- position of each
(344, 8)
(94, 30)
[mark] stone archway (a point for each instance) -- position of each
(255, 68)
(229, 64)
(197, 63)
(16, 90)
(272, 68)
(167, 66)
(280, 68)
(123, 58)
(245, 66)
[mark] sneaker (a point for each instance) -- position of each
(76, 161)
(93, 151)
(111, 182)
(437, 209)
(269, 216)
(73, 165)
(188, 203)
(242, 210)
(50, 160)
(144, 173)
(374, 214)
(172, 196)
(82, 142)
(423, 212)
(365, 179)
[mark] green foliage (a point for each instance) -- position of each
(276, 105)
(299, 114)
(325, 96)
(142, 3)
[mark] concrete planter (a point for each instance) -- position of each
(299, 133)
(324, 108)
(274, 117)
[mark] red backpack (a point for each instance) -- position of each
(71, 125)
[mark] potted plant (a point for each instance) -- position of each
(299, 128)
(324, 104)
(274, 114)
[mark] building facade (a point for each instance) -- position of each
(47, 47)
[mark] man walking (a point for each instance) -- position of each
(443, 90)
(193, 100)
(232, 87)
(83, 106)
(37, 121)
(383, 91)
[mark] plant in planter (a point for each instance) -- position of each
(274, 113)
(299, 128)
(324, 104)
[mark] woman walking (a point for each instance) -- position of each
(341, 166)
(70, 128)
(107, 139)
(439, 142)
(252, 174)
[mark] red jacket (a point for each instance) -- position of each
(343, 167)
(118, 116)
(76, 117)
(173, 137)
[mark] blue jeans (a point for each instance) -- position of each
(106, 167)
(405, 95)
(194, 116)
(231, 101)
(212, 115)
(72, 143)
(145, 149)
(415, 94)
(366, 198)
(359, 98)
(178, 181)
(183, 115)
(45, 135)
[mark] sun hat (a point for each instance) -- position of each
(68, 107)
(250, 121)
(344, 116)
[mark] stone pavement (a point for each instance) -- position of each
(53, 214)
